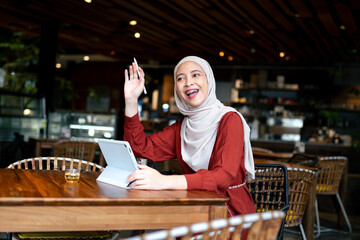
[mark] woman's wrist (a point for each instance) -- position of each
(175, 182)
(131, 108)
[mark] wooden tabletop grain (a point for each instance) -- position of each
(44, 187)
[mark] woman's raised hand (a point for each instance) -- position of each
(133, 85)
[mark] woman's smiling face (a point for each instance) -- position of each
(191, 84)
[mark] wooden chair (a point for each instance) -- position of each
(300, 181)
(331, 170)
(263, 225)
(57, 164)
(74, 148)
(269, 190)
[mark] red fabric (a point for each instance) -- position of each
(226, 166)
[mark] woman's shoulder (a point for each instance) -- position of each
(231, 116)
(230, 120)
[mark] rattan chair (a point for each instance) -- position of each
(331, 171)
(58, 164)
(261, 226)
(300, 181)
(269, 190)
(75, 148)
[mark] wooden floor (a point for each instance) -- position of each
(326, 219)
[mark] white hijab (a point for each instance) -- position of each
(200, 124)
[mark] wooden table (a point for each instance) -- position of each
(42, 143)
(35, 200)
(309, 215)
(278, 156)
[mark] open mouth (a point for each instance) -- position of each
(192, 93)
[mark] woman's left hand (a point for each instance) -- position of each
(147, 178)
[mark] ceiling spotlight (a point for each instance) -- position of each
(251, 32)
(137, 35)
(296, 15)
(221, 54)
(282, 54)
(88, 1)
(342, 27)
(112, 53)
(58, 65)
(133, 22)
(86, 58)
(230, 58)
(27, 112)
(252, 50)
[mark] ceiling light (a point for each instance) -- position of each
(221, 54)
(137, 35)
(112, 53)
(230, 58)
(342, 27)
(282, 54)
(133, 22)
(27, 111)
(58, 65)
(296, 15)
(88, 1)
(251, 32)
(252, 50)
(86, 58)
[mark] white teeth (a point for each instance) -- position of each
(191, 92)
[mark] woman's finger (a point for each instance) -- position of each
(126, 75)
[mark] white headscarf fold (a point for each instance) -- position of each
(199, 127)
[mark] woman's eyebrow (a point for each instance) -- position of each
(190, 72)
(180, 74)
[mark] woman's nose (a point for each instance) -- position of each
(188, 81)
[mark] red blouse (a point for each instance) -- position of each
(226, 172)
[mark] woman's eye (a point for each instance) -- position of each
(180, 78)
(196, 74)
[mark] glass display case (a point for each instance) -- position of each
(64, 124)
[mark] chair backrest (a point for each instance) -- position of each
(55, 163)
(261, 226)
(269, 189)
(74, 148)
(300, 181)
(331, 170)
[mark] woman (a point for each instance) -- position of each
(211, 143)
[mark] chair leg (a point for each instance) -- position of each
(302, 232)
(344, 212)
(317, 218)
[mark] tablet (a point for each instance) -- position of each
(120, 160)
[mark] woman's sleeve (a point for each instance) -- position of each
(227, 160)
(156, 147)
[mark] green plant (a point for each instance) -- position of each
(19, 57)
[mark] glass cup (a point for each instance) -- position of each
(72, 175)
